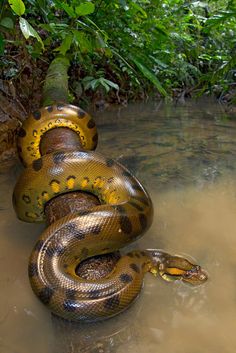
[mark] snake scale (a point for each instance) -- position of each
(125, 212)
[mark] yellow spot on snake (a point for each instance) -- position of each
(55, 186)
(174, 271)
(84, 182)
(154, 271)
(98, 183)
(31, 215)
(40, 203)
(45, 196)
(70, 183)
(112, 197)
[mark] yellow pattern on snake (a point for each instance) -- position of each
(124, 214)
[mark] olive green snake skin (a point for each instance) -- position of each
(124, 214)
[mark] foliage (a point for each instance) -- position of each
(130, 46)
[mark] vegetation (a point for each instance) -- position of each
(124, 49)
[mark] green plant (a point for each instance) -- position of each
(135, 45)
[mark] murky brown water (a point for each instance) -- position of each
(186, 158)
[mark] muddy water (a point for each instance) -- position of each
(186, 158)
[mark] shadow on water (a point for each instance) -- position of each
(185, 156)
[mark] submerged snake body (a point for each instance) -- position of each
(124, 214)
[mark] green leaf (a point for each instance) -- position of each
(29, 31)
(94, 84)
(160, 63)
(150, 76)
(111, 84)
(139, 8)
(87, 82)
(83, 41)
(68, 9)
(65, 45)
(160, 29)
(17, 6)
(7, 23)
(105, 85)
(85, 8)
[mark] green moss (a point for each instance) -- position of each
(56, 83)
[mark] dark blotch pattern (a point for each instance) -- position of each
(58, 157)
(84, 253)
(84, 212)
(126, 173)
(37, 164)
(136, 187)
(95, 138)
(22, 132)
(32, 270)
(134, 267)
(69, 305)
(77, 233)
(37, 115)
(93, 294)
(81, 233)
(55, 251)
(45, 295)
(125, 223)
(60, 107)
(126, 278)
(109, 162)
(71, 294)
(135, 205)
(91, 124)
(50, 108)
(26, 198)
(142, 200)
(96, 229)
(143, 221)
(81, 114)
(112, 303)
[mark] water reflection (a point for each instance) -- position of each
(185, 156)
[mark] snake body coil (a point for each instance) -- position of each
(124, 214)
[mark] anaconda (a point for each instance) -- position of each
(124, 214)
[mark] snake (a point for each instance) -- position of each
(124, 214)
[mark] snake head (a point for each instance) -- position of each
(196, 275)
(178, 268)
